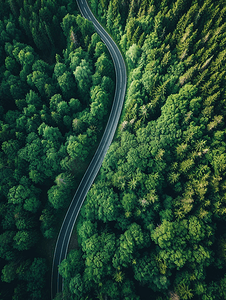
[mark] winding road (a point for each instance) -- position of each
(64, 236)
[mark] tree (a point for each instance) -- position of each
(129, 202)
(104, 66)
(9, 272)
(17, 88)
(78, 147)
(67, 85)
(184, 292)
(85, 26)
(71, 265)
(100, 49)
(60, 69)
(10, 148)
(33, 98)
(124, 255)
(108, 209)
(36, 278)
(196, 230)
(99, 105)
(24, 221)
(56, 196)
(83, 78)
(47, 219)
(38, 79)
(54, 100)
(110, 16)
(26, 56)
(25, 194)
(24, 240)
(76, 286)
(6, 240)
(145, 269)
(222, 286)
(75, 105)
(107, 85)
(12, 65)
(32, 204)
(100, 250)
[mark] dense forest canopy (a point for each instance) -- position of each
(153, 224)
(56, 87)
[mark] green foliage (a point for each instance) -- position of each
(9, 273)
(154, 219)
(160, 194)
(82, 75)
(24, 240)
(49, 103)
(59, 194)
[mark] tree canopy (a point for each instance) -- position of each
(56, 89)
(160, 194)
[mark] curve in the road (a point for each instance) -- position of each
(64, 236)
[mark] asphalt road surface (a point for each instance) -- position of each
(87, 180)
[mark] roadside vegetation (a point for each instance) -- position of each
(153, 225)
(56, 88)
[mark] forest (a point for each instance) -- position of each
(56, 88)
(153, 225)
